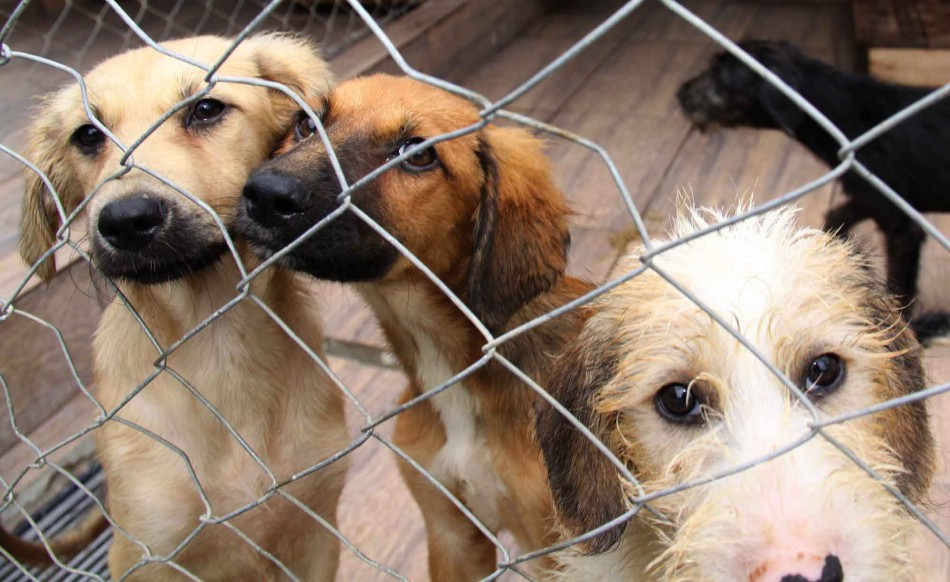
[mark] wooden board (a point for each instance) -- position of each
(902, 23)
(921, 67)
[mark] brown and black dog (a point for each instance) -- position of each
(482, 212)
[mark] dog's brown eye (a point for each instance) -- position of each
(677, 403)
(422, 160)
(207, 111)
(823, 374)
(305, 128)
(88, 138)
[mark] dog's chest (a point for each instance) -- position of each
(465, 461)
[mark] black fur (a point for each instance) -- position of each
(180, 248)
(346, 249)
(912, 158)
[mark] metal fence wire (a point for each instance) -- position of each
(149, 22)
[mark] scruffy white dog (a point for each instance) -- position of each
(677, 398)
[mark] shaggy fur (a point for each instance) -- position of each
(481, 211)
(911, 158)
(797, 295)
(168, 258)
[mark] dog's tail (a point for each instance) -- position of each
(931, 326)
(64, 546)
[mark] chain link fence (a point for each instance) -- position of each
(334, 26)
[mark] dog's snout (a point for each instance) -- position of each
(801, 567)
(271, 197)
(131, 223)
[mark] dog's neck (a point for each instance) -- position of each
(415, 315)
(854, 103)
(173, 309)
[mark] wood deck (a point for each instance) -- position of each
(620, 94)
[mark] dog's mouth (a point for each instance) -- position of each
(160, 262)
(345, 249)
(146, 239)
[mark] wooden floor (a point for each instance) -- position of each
(620, 94)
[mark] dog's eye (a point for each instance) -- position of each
(419, 161)
(305, 128)
(88, 138)
(207, 111)
(823, 374)
(677, 403)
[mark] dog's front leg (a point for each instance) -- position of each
(842, 219)
(458, 551)
(904, 241)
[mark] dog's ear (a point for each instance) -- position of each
(47, 149)
(906, 428)
(586, 486)
(283, 58)
(521, 234)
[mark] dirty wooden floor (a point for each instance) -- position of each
(620, 94)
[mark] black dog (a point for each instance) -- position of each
(913, 158)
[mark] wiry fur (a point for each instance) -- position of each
(911, 158)
(270, 391)
(488, 220)
(794, 294)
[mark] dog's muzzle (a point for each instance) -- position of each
(131, 223)
(831, 571)
(272, 197)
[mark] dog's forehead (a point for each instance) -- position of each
(781, 287)
(147, 76)
(388, 103)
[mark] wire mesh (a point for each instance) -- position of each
(47, 42)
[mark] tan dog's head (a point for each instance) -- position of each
(140, 228)
(677, 399)
(481, 210)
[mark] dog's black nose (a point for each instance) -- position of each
(831, 572)
(131, 223)
(272, 197)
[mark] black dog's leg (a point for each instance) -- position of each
(842, 219)
(904, 240)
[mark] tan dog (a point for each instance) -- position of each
(481, 211)
(677, 399)
(170, 261)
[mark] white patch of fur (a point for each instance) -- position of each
(465, 460)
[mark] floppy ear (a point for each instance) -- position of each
(293, 61)
(39, 217)
(906, 428)
(521, 235)
(585, 484)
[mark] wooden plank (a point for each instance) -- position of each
(888, 23)
(935, 19)
(31, 359)
(41, 484)
(438, 36)
(926, 68)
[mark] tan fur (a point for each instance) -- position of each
(796, 294)
(491, 224)
(256, 376)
